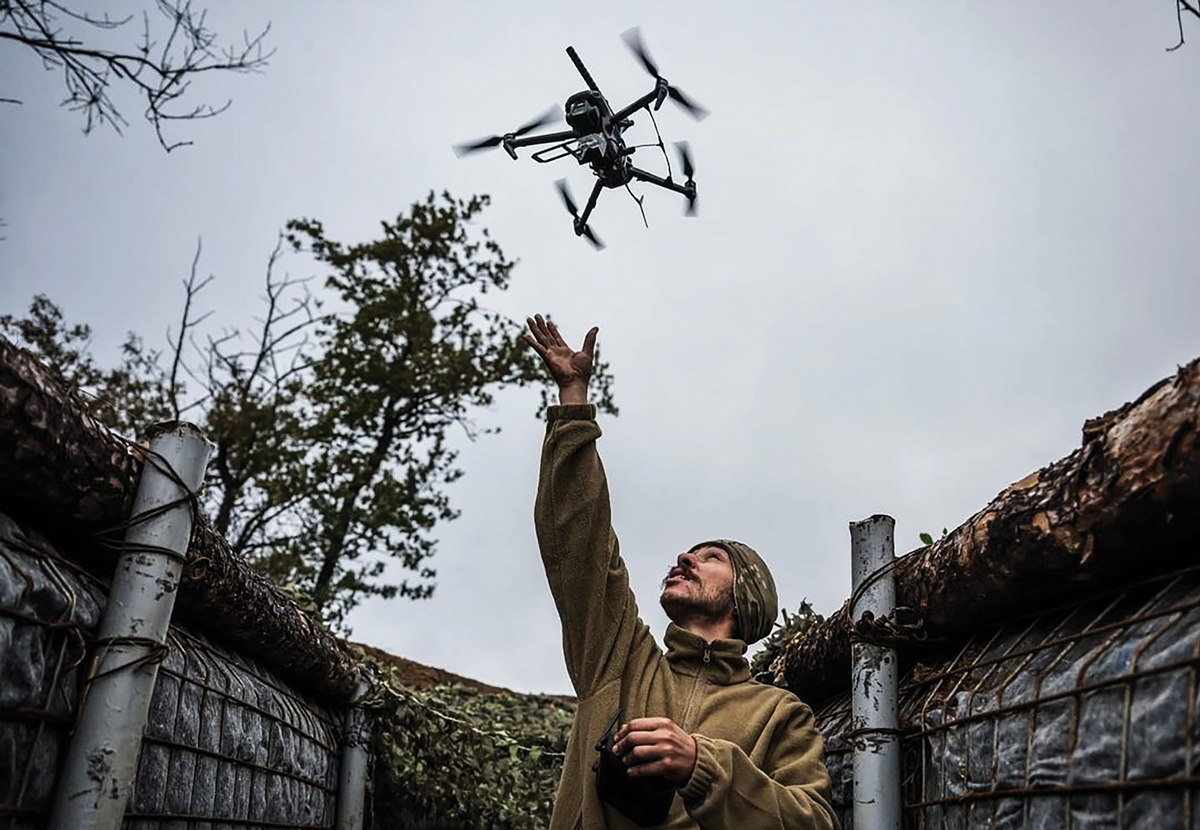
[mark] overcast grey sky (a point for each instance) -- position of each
(933, 239)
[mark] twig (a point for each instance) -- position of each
(184, 324)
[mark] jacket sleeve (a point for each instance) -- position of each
(792, 790)
(580, 552)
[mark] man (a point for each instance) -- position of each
(741, 755)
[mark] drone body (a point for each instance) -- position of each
(595, 139)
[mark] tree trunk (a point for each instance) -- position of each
(1124, 506)
(335, 543)
(66, 474)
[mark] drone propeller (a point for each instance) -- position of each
(550, 116)
(633, 39)
(580, 230)
(685, 161)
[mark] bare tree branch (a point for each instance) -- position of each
(192, 288)
(161, 74)
(1182, 6)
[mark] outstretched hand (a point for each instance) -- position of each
(570, 369)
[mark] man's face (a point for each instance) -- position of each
(700, 585)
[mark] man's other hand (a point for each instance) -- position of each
(570, 369)
(656, 746)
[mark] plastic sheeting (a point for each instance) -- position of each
(1081, 717)
(227, 745)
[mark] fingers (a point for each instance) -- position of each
(589, 342)
(642, 725)
(545, 335)
(537, 327)
(656, 747)
(537, 347)
(554, 333)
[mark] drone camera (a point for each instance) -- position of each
(586, 112)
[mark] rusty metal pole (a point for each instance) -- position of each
(101, 760)
(874, 720)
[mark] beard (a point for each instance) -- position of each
(704, 603)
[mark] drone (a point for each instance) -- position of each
(596, 139)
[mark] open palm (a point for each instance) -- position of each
(568, 367)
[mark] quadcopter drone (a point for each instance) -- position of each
(595, 139)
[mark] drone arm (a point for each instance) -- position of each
(645, 100)
(587, 77)
(642, 175)
(549, 138)
(591, 203)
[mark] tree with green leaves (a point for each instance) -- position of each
(334, 428)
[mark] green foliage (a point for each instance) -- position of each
(454, 757)
(413, 352)
(126, 398)
(335, 419)
(794, 626)
(927, 539)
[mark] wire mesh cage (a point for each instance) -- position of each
(227, 744)
(1082, 716)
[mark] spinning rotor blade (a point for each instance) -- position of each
(591, 237)
(550, 116)
(565, 192)
(633, 39)
(573, 209)
(685, 161)
(693, 109)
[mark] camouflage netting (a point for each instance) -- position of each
(226, 739)
(1081, 717)
(455, 757)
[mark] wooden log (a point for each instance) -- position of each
(1124, 506)
(67, 474)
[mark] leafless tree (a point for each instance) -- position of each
(1182, 6)
(173, 46)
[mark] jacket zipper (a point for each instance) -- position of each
(687, 714)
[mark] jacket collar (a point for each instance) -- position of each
(726, 663)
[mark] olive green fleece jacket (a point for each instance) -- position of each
(758, 753)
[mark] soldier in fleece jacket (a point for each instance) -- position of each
(742, 755)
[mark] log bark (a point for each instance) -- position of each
(67, 474)
(1124, 506)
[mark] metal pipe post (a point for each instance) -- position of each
(352, 774)
(875, 720)
(101, 760)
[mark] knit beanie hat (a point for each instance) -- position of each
(755, 601)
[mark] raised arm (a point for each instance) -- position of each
(572, 516)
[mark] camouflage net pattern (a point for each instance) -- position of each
(226, 744)
(454, 757)
(1084, 716)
